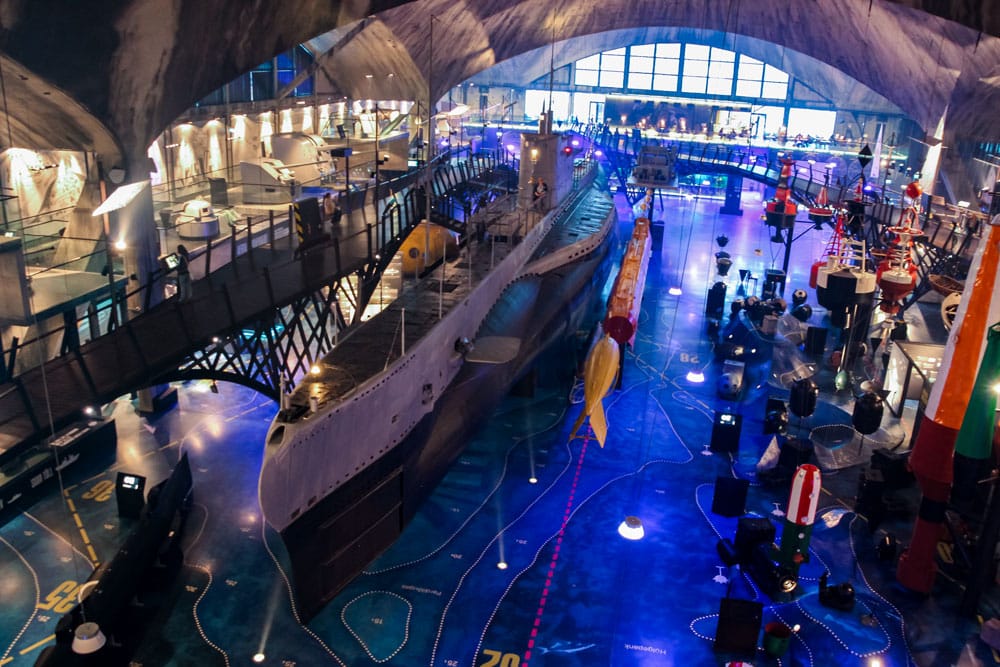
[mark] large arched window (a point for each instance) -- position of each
(693, 69)
(604, 70)
(655, 67)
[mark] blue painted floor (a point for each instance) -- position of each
(515, 560)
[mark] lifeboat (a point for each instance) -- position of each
(780, 212)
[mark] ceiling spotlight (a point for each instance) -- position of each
(258, 657)
(674, 291)
(631, 528)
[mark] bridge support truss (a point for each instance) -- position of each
(280, 345)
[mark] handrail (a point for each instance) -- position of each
(243, 240)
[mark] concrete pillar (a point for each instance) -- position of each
(734, 190)
(932, 161)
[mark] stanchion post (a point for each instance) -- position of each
(250, 241)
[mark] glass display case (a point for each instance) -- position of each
(912, 369)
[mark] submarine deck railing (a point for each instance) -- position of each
(366, 351)
(131, 340)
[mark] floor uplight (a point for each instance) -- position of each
(258, 657)
(88, 638)
(695, 376)
(631, 528)
(674, 291)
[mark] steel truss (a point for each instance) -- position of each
(281, 345)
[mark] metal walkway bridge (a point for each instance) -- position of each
(943, 252)
(261, 308)
(759, 163)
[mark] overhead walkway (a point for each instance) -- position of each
(757, 163)
(943, 252)
(238, 281)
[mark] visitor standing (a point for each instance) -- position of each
(328, 208)
(183, 274)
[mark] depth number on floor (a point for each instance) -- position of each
(499, 659)
(62, 598)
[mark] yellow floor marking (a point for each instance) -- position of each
(37, 644)
(6, 660)
(79, 524)
(996, 655)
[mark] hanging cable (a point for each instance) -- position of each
(6, 113)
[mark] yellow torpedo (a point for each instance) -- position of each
(599, 374)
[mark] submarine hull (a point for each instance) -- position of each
(333, 541)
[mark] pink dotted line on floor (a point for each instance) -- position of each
(555, 552)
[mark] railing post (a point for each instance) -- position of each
(232, 246)
(229, 304)
(270, 286)
(149, 292)
(250, 242)
(26, 400)
(270, 229)
(291, 226)
(93, 322)
(208, 256)
(336, 256)
(368, 233)
(9, 366)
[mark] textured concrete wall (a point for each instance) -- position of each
(132, 66)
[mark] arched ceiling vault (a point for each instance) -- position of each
(132, 66)
(827, 81)
(921, 63)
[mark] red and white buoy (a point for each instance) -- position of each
(799, 517)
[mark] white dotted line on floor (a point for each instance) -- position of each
(843, 644)
(797, 635)
(861, 573)
(194, 612)
(291, 597)
(406, 627)
(486, 499)
(34, 608)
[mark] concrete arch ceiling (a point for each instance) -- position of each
(921, 63)
(132, 66)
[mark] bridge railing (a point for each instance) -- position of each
(250, 243)
(759, 160)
